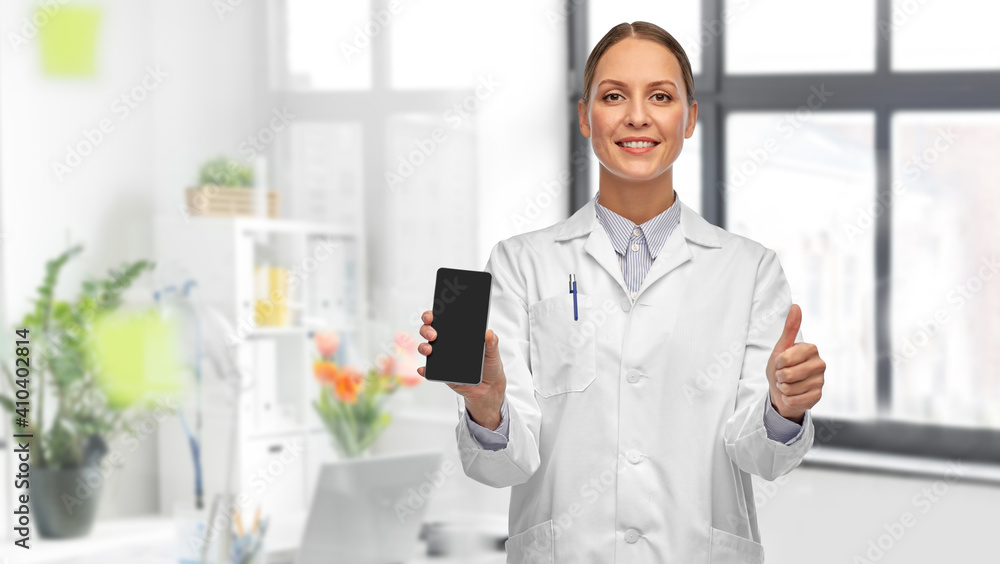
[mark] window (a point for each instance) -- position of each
(791, 36)
(451, 46)
(942, 35)
(884, 125)
(321, 56)
(793, 190)
(946, 274)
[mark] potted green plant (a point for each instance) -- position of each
(226, 188)
(69, 414)
(221, 171)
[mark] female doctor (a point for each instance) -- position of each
(629, 421)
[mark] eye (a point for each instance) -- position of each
(611, 94)
(666, 96)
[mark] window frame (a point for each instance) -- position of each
(883, 92)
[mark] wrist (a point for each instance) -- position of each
(793, 417)
(485, 414)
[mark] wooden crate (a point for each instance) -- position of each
(228, 201)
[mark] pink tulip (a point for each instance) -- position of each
(410, 380)
(385, 363)
(327, 342)
(405, 367)
(405, 342)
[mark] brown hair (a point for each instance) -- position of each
(639, 30)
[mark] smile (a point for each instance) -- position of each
(637, 147)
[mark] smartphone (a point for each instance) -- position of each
(461, 310)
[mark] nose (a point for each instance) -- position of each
(637, 115)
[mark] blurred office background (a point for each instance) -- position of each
(858, 139)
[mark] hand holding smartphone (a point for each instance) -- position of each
(464, 354)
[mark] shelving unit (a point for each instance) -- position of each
(278, 443)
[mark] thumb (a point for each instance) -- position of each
(492, 344)
(792, 323)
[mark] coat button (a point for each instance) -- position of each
(633, 456)
(631, 535)
(626, 305)
(632, 376)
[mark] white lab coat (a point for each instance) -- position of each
(634, 430)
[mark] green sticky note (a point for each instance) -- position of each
(139, 356)
(68, 39)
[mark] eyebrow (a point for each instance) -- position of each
(623, 85)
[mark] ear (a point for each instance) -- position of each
(581, 109)
(692, 119)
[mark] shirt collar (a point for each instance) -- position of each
(655, 230)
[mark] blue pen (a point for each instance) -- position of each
(572, 290)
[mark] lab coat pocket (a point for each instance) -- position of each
(533, 546)
(563, 350)
(728, 548)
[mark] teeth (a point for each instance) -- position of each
(637, 144)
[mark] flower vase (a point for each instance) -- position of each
(344, 454)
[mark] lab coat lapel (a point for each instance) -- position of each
(598, 245)
(677, 249)
(675, 252)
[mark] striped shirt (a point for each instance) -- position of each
(638, 245)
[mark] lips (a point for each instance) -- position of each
(637, 143)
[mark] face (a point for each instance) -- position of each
(625, 105)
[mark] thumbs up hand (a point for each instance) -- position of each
(794, 371)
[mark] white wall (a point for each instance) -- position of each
(203, 106)
(215, 99)
(104, 201)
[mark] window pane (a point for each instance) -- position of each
(945, 248)
(430, 48)
(453, 43)
(680, 19)
(954, 35)
(791, 36)
(796, 191)
(316, 36)
(687, 172)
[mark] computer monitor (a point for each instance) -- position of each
(369, 510)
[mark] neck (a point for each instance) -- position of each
(637, 201)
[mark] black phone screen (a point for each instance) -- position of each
(461, 309)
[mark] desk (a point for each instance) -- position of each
(136, 539)
(152, 540)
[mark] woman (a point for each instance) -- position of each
(629, 422)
